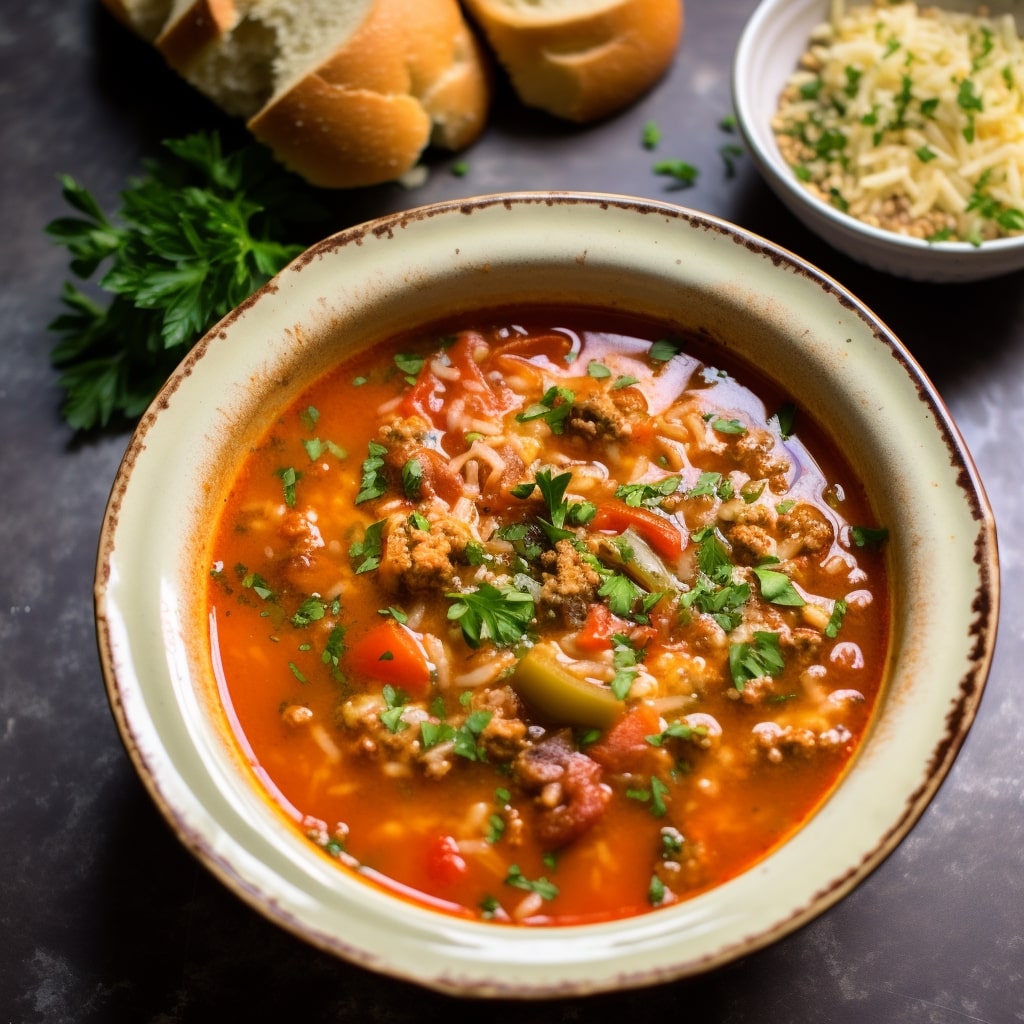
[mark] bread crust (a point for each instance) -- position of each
(200, 25)
(410, 75)
(584, 65)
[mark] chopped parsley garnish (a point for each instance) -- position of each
(650, 136)
(869, 537)
(561, 513)
(679, 731)
(334, 648)
(410, 364)
(724, 426)
(626, 659)
(730, 152)
(255, 582)
(723, 603)
(711, 485)
(671, 840)
(412, 479)
(777, 587)
(467, 737)
(597, 370)
(418, 521)
(432, 733)
(541, 886)
(682, 172)
(649, 494)
(289, 477)
(369, 549)
(554, 408)
(656, 891)
(315, 449)
(761, 657)
(654, 796)
(712, 557)
(499, 614)
(394, 702)
(785, 418)
(312, 609)
(835, 620)
(664, 349)
(374, 483)
(622, 594)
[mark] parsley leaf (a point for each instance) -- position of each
(374, 483)
(394, 701)
(664, 349)
(545, 889)
(835, 619)
(499, 614)
(761, 657)
(369, 549)
(466, 737)
(311, 610)
(648, 494)
(869, 537)
(683, 172)
(777, 587)
(554, 408)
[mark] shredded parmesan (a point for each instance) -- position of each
(911, 119)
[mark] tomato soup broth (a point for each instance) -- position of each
(547, 619)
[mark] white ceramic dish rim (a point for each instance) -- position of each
(144, 611)
(792, 20)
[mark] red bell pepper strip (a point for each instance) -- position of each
(662, 534)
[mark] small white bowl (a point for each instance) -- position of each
(768, 308)
(769, 49)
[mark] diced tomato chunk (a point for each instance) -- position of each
(444, 863)
(426, 399)
(391, 653)
(624, 747)
(599, 627)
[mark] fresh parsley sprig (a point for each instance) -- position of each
(196, 235)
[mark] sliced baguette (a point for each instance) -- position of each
(412, 73)
(581, 59)
(345, 92)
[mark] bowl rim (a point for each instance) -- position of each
(780, 174)
(470, 958)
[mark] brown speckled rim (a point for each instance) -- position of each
(472, 976)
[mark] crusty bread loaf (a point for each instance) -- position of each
(410, 74)
(345, 92)
(581, 59)
(351, 92)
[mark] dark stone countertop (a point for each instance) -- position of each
(104, 915)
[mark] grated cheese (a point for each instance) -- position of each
(911, 119)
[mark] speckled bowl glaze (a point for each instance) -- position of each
(769, 48)
(761, 303)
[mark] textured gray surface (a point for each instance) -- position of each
(104, 916)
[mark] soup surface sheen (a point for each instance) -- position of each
(546, 620)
